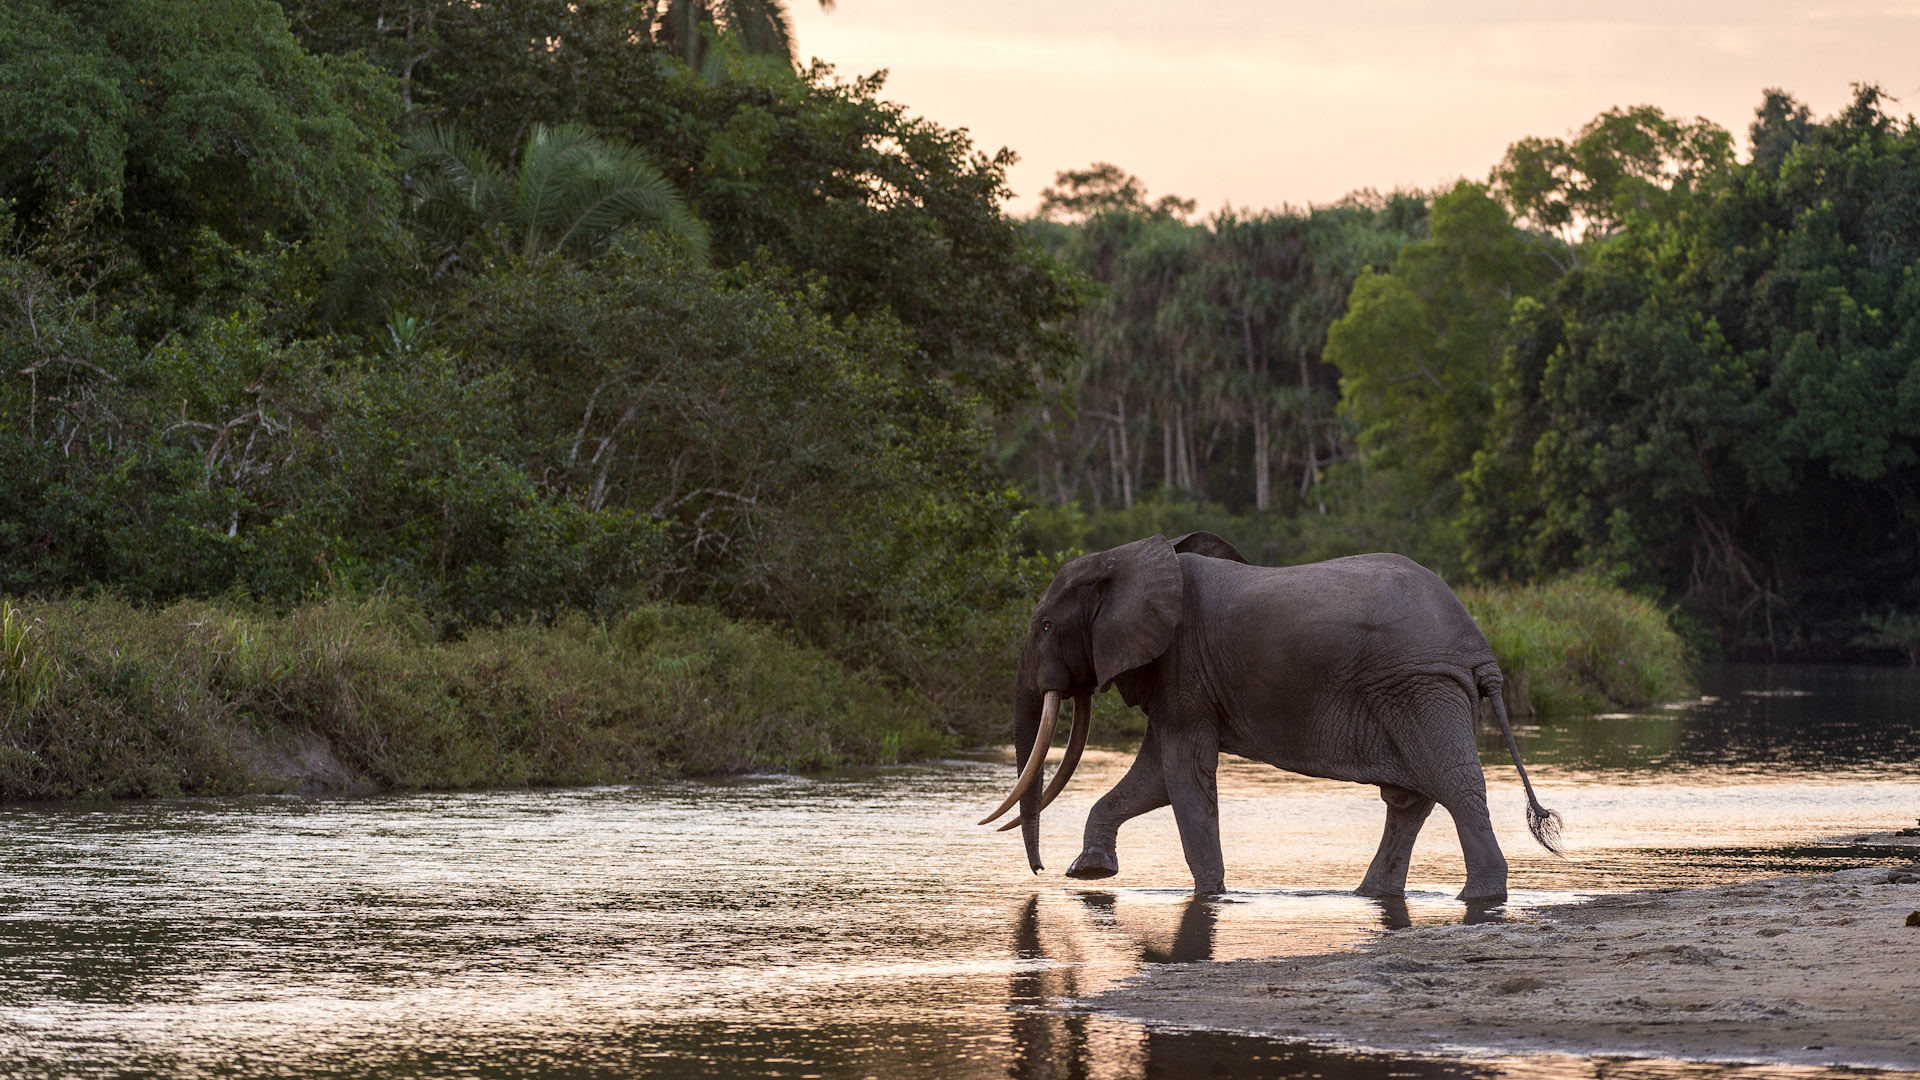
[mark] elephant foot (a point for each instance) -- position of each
(1483, 895)
(1093, 865)
(1379, 889)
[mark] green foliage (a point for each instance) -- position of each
(1895, 630)
(826, 484)
(1579, 645)
(1420, 344)
(1104, 188)
(571, 191)
(886, 213)
(761, 27)
(1203, 372)
(1721, 406)
(222, 372)
(187, 115)
(201, 698)
(26, 671)
(1624, 166)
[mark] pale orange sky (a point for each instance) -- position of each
(1263, 104)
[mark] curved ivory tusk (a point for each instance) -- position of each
(1042, 739)
(1076, 742)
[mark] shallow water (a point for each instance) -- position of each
(846, 926)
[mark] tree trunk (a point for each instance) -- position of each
(1166, 450)
(1126, 459)
(1262, 479)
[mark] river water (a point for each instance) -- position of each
(849, 926)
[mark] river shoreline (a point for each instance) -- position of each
(1813, 970)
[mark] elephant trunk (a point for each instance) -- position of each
(1033, 721)
(1034, 715)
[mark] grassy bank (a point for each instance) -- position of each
(1578, 646)
(99, 698)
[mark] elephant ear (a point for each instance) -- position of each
(1206, 543)
(1141, 596)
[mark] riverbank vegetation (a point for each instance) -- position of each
(115, 700)
(1629, 352)
(470, 340)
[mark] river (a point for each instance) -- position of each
(853, 925)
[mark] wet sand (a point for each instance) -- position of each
(1816, 970)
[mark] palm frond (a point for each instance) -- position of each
(763, 26)
(549, 164)
(454, 185)
(618, 184)
(570, 190)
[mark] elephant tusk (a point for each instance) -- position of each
(1042, 739)
(1076, 742)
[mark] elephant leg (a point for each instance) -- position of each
(1406, 812)
(1433, 731)
(1143, 788)
(1486, 866)
(1188, 761)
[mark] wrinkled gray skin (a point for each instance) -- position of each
(1364, 669)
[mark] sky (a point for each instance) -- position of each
(1259, 105)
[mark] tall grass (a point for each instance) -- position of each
(215, 698)
(1579, 645)
(26, 671)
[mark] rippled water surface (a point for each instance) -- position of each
(847, 926)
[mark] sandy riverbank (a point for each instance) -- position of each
(1806, 970)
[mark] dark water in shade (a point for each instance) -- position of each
(849, 926)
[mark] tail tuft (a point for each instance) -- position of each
(1545, 826)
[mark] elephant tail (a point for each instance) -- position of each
(1543, 823)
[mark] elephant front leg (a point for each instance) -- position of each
(1144, 788)
(1188, 762)
(1406, 812)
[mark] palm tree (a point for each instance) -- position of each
(572, 190)
(762, 27)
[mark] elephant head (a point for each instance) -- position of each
(1104, 615)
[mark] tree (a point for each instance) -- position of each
(1623, 164)
(1724, 404)
(1103, 188)
(762, 27)
(185, 115)
(571, 191)
(1420, 344)
(1203, 376)
(800, 170)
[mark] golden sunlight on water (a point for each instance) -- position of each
(843, 926)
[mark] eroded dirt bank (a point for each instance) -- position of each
(1807, 970)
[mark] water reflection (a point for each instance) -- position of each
(843, 926)
(1747, 719)
(1050, 1046)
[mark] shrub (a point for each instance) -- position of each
(1579, 645)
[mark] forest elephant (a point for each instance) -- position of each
(1364, 669)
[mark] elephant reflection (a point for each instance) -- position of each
(1051, 1043)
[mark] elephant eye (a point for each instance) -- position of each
(1047, 625)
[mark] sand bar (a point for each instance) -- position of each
(1814, 970)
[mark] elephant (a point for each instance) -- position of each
(1365, 669)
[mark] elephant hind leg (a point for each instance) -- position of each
(1406, 812)
(1486, 866)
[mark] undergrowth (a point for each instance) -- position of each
(1579, 645)
(205, 697)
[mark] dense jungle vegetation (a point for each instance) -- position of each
(1627, 353)
(571, 355)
